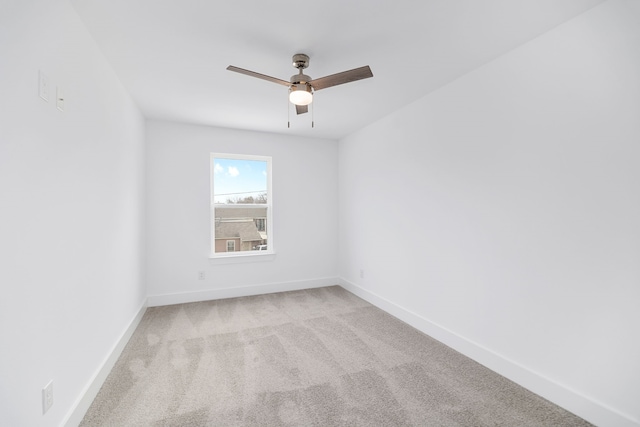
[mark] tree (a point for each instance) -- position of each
(249, 200)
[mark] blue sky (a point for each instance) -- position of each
(238, 178)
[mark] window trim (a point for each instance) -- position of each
(268, 206)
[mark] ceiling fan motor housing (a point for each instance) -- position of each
(300, 78)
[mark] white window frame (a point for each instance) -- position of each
(233, 245)
(269, 205)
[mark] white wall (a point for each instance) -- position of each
(501, 214)
(178, 217)
(71, 211)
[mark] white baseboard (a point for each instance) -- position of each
(586, 408)
(82, 404)
(241, 291)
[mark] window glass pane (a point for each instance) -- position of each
(240, 181)
(240, 203)
(246, 226)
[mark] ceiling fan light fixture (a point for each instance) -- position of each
(300, 94)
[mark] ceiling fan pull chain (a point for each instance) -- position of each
(312, 109)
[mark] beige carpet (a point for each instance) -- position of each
(319, 357)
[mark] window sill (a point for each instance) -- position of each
(240, 257)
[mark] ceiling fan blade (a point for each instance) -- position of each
(301, 109)
(258, 75)
(341, 78)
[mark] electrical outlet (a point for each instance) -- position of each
(362, 274)
(47, 397)
(201, 275)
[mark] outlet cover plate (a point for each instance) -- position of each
(47, 397)
(59, 98)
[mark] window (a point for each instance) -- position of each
(241, 205)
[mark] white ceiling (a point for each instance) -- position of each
(172, 55)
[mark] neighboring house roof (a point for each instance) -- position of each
(244, 229)
(241, 212)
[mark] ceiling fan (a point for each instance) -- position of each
(301, 87)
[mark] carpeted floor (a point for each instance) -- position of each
(318, 357)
